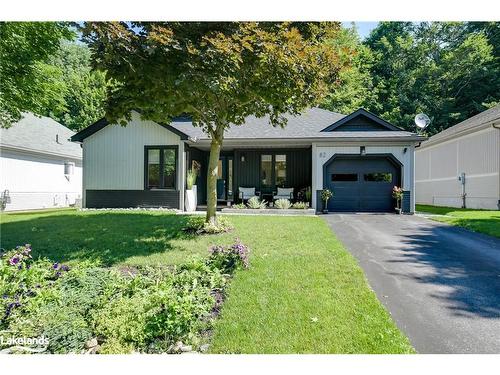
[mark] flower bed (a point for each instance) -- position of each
(92, 309)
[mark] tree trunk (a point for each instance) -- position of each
(213, 166)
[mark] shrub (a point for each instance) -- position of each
(191, 176)
(239, 206)
(255, 203)
(229, 258)
(300, 205)
(198, 225)
(282, 204)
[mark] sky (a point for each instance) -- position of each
(364, 28)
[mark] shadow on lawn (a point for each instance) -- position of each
(467, 279)
(109, 237)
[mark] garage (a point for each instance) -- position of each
(362, 182)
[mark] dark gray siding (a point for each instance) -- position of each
(405, 202)
(131, 198)
(201, 183)
(247, 173)
(361, 123)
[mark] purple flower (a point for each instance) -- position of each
(64, 268)
(55, 266)
(14, 260)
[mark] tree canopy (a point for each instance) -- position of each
(83, 90)
(449, 71)
(27, 83)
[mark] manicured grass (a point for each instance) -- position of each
(303, 293)
(483, 221)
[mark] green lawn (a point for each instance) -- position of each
(483, 221)
(304, 293)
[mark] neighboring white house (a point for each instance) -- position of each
(459, 167)
(40, 167)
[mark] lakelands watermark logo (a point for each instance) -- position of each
(28, 344)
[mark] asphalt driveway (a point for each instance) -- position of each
(440, 283)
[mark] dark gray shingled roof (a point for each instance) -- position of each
(310, 124)
(38, 134)
(484, 117)
(307, 125)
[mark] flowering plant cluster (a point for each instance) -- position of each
(22, 254)
(93, 309)
(228, 258)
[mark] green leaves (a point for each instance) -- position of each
(25, 84)
(447, 70)
(219, 73)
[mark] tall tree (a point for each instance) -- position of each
(446, 70)
(218, 73)
(84, 91)
(26, 82)
(354, 88)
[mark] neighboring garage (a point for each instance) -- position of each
(459, 167)
(362, 183)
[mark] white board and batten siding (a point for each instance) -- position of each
(438, 167)
(38, 181)
(114, 156)
(322, 152)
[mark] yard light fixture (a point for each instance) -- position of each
(362, 150)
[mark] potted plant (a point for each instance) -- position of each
(325, 195)
(308, 194)
(397, 194)
(190, 196)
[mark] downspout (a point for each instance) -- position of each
(497, 126)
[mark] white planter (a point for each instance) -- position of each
(190, 201)
(195, 190)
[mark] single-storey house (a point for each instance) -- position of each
(360, 157)
(40, 166)
(459, 167)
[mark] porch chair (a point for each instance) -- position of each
(244, 194)
(284, 193)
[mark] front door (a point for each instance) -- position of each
(225, 178)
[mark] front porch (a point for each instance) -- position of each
(265, 169)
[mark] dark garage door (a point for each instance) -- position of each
(362, 183)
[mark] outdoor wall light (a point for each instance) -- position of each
(362, 150)
(405, 149)
(242, 158)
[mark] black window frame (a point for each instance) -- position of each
(332, 179)
(162, 148)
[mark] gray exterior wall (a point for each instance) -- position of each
(438, 166)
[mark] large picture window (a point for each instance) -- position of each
(160, 167)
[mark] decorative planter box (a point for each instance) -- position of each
(269, 211)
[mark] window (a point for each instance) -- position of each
(280, 170)
(161, 167)
(344, 177)
(378, 177)
(266, 170)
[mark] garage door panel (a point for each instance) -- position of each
(371, 190)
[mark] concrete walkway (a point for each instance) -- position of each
(440, 283)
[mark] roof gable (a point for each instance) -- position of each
(102, 123)
(361, 120)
